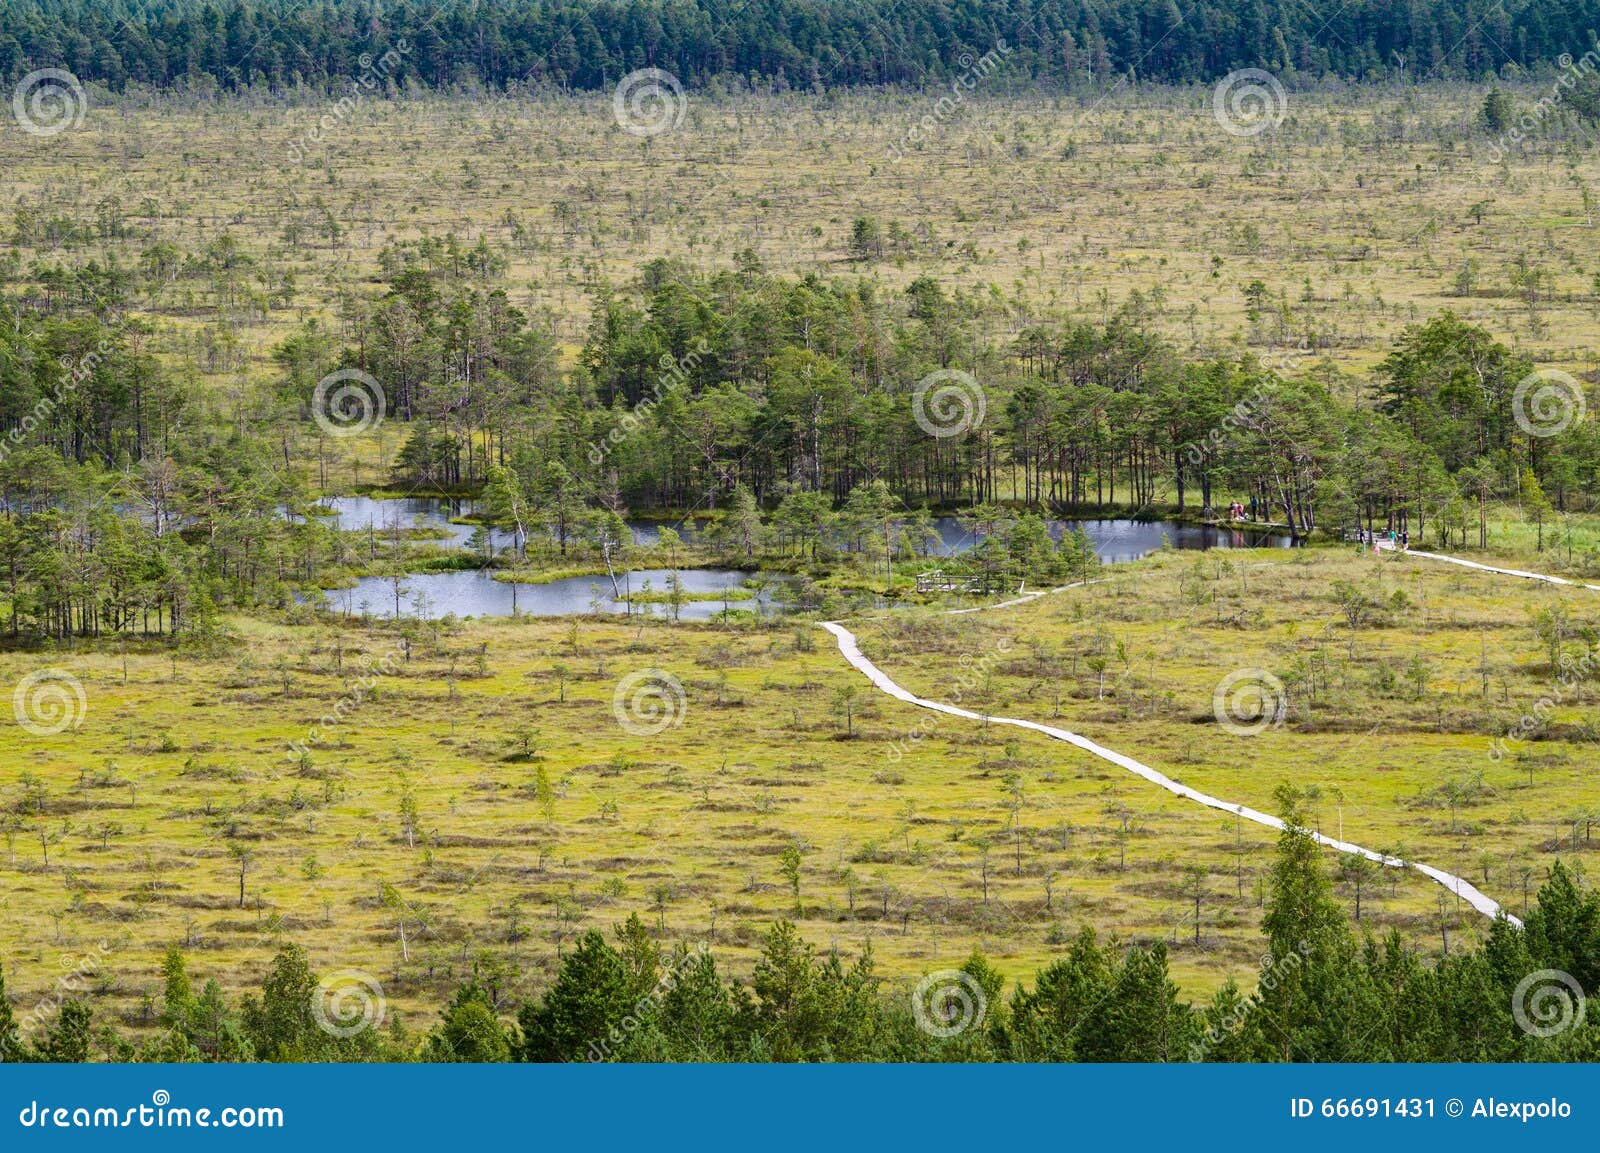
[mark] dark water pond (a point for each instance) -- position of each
(470, 593)
(1118, 540)
(477, 594)
(360, 513)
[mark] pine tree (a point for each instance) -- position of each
(12, 1047)
(590, 996)
(1143, 1020)
(786, 1009)
(1227, 1029)
(1048, 1022)
(281, 1026)
(216, 1029)
(1563, 929)
(67, 1039)
(1497, 111)
(177, 1001)
(641, 956)
(1318, 1005)
(471, 1031)
(696, 1019)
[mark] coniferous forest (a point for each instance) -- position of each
(791, 43)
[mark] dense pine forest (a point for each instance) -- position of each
(791, 43)
(1324, 994)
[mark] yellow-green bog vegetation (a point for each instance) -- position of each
(444, 797)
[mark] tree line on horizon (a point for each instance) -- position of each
(1324, 993)
(801, 44)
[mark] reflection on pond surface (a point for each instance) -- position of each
(469, 593)
(1117, 540)
(360, 513)
(433, 595)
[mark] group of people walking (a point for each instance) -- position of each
(1386, 538)
(1365, 537)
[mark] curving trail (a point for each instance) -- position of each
(850, 648)
(1516, 572)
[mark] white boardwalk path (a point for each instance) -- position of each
(851, 651)
(1516, 572)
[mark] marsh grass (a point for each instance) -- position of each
(924, 839)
